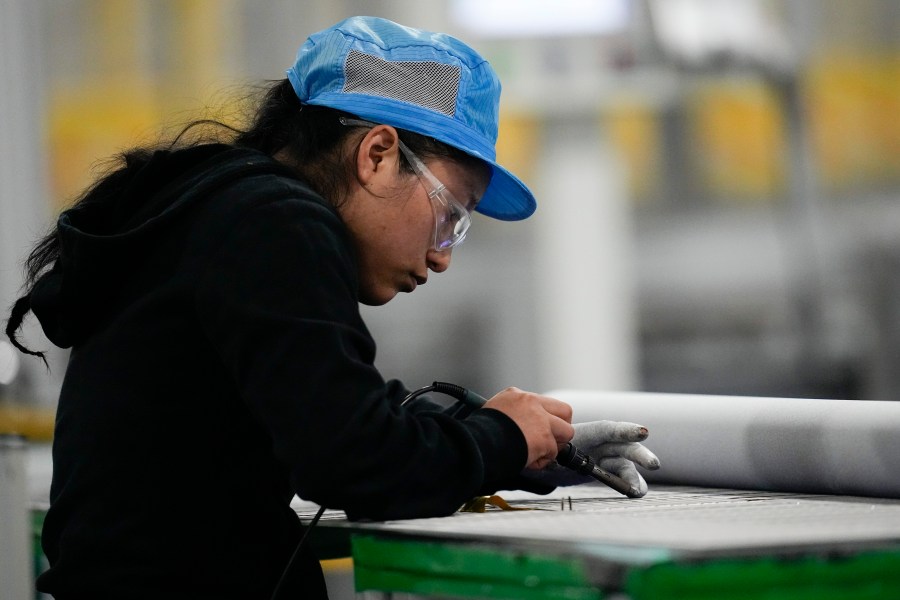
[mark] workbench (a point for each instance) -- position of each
(588, 542)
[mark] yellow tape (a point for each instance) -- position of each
(480, 504)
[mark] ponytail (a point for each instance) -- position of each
(312, 137)
(17, 313)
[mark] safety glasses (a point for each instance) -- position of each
(451, 219)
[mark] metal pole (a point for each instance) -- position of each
(584, 287)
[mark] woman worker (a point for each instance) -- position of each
(210, 294)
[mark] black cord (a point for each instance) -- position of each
(417, 393)
(442, 387)
(290, 565)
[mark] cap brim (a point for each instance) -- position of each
(506, 198)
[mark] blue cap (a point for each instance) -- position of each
(424, 82)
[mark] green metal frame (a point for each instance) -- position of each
(431, 568)
(481, 571)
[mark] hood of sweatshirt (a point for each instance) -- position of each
(108, 232)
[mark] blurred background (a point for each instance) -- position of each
(718, 182)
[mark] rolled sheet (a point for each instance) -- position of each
(849, 447)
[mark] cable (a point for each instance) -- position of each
(290, 565)
(417, 393)
(455, 389)
(569, 457)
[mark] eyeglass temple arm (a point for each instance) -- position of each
(414, 160)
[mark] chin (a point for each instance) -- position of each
(376, 298)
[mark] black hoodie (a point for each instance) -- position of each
(219, 365)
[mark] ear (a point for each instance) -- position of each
(378, 155)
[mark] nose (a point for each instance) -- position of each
(439, 261)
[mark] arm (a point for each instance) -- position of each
(279, 303)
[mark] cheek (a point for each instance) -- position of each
(424, 221)
(424, 231)
(397, 241)
(414, 226)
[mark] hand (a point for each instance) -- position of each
(545, 422)
(615, 447)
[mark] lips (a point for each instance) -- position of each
(414, 281)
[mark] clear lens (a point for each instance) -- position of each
(451, 220)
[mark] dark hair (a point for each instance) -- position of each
(311, 136)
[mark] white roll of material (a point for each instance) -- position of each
(848, 447)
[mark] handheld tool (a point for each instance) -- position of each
(569, 457)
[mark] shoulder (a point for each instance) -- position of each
(262, 221)
(249, 179)
(245, 190)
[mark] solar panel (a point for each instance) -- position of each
(680, 519)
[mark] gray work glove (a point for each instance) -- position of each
(615, 447)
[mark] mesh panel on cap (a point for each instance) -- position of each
(429, 84)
